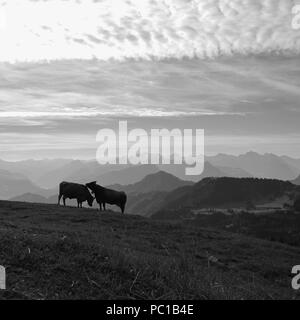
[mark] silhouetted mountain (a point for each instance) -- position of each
(159, 181)
(14, 184)
(5, 174)
(210, 171)
(49, 173)
(54, 177)
(295, 163)
(296, 181)
(179, 171)
(53, 198)
(148, 195)
(223, 193)
(126, 176)
(257, 165)
(33, 169)
(30, 197)
(297, 204)
(86, 171)
(35, 198)
(235, 172)
(93, 169)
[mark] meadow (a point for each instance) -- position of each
(53, 252)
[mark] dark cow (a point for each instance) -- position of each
(104, 195)
(69, 190)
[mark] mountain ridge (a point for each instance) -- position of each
(158, 181)
(224, 193)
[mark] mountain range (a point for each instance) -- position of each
(159, 181)
(225, 193)
(13, 184)
(260, 165)
(33, 198)
(297, 181)
(42, 177)
(34, 170)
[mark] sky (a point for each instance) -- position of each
(70, 68)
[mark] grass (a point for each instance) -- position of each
(273, 226)
(53, 252)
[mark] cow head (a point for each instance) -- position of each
(90, 198)
(91, 185)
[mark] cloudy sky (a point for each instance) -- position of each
(69, 68)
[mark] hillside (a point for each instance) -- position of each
(274, 226)
(53, 252)
(225, 193)
(145, 204)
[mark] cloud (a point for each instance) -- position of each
(119, 112)
(252, 98)
(219, 91)
(145, 29)
(84, 89)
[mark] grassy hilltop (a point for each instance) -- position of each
(53, 252)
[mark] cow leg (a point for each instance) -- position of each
(59, 197)
(104, 206)
(64, 200)
(122, 207)
(100, 206)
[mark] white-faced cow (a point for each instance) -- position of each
(80, 192)
(104, 195)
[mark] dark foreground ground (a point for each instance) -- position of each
(53, 252)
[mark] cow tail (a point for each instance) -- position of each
(59, 194)
(124, 203)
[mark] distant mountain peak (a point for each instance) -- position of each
(266, 165)
(251, 154)
(224, 192)
(162, 174)
(157, 181)
(296, 181)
